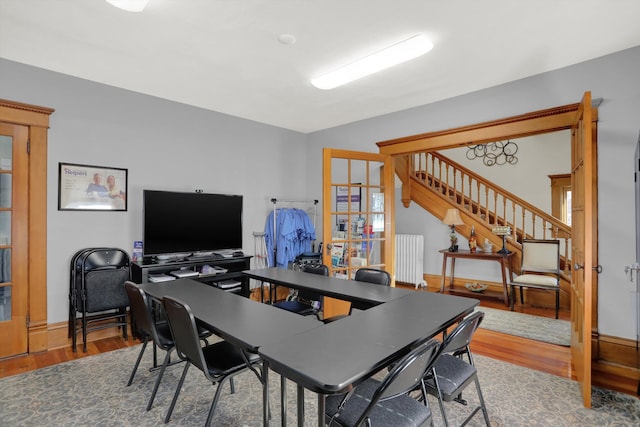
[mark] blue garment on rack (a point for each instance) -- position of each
(292, 236)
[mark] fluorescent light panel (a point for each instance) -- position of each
(393, 55)
(129, 5)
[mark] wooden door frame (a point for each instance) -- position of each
(558, 184)
(37, 119)
(529, 124)
(534, 123)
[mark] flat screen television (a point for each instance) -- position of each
(190, 223)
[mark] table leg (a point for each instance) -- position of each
(444, 273)
(504, 281)
(283, 401)
(155, 356)
(453, 269)
(321, 402)
(300, 406)
(265, 393)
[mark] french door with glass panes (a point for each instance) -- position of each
(14, 222)
(358, 224)
(584, 253)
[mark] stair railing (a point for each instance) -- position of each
(488, 203)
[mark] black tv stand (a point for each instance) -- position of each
(195, 257)
(141, 269)
(166, 259)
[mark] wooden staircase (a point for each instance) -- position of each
(437, 183)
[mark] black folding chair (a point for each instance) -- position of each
(218, 361)
(303, 302)
(387, 403)
(96, 292)
(451, 374)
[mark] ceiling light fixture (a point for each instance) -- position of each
(129, 5)
(287, 39)
(381, 60)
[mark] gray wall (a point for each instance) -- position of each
(538, 157)
(167, 145)
(164, 145)
(614, 78)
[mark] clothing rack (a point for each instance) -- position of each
(310, 210)
(276, 201)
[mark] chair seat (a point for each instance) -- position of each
(224, 358)
(295, 307)
(536, 280)
(454, 374)
(399, 411)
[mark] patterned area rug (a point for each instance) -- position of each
(537, 328)
(92, 392)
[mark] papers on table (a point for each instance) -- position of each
(184, 273)
(229, 284)
(156, 278)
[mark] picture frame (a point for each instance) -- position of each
(91, 188)
(345, 204)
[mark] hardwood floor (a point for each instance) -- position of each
(550, 358)
(537, 355)
(20, 364)
(553, 359)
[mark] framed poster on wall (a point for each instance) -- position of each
(346, 205)
(91, 188)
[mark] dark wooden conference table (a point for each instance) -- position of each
(338, 356)
(239, 320)
(246, 323)
(325, 359)
(361, 295)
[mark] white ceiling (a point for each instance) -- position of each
(224, 55)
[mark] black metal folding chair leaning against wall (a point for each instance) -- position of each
(97, 299)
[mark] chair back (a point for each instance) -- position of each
(140, 310)
(461, 336)
(109, 258)
(316, 268)
(405, 376)
(313, 268)
(100, 276)
(185, 332)
(541, 256)
(372, 275)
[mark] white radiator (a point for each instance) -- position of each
(410, 259)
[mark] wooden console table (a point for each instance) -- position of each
(503, 259)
